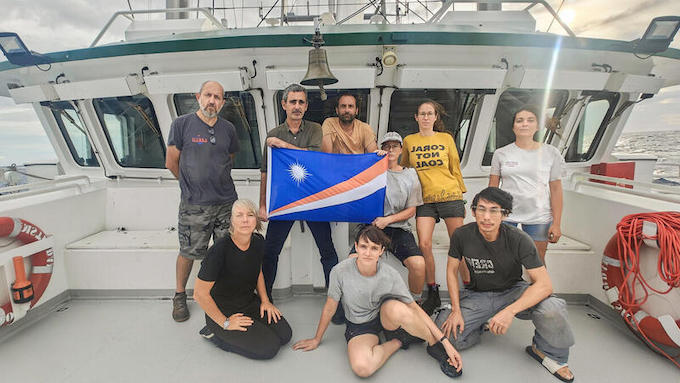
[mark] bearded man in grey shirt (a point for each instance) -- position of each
(200, 154)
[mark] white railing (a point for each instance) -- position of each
(19, 309)
(24, 190)
(643, 189)
(129, 14)
(670, 164)
(393, 10)
(25, 251)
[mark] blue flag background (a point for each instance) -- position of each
(344, 187)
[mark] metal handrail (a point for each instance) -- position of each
(438, 15)
(127, 14)
(26, 250)
(644, 189)
(32, 188)
(671, 164)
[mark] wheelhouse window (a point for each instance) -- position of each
(592, 126)
(132, 131)
(73, 130)
(239, 109)
(501, 131)
(318, 110)
(459, 105)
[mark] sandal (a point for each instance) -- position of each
(551, 365)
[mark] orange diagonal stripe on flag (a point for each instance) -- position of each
(358, 180)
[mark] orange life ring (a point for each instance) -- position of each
(663, 330)
(41, 262)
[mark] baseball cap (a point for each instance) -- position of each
(391, 136)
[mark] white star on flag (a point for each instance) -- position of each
(298, 172)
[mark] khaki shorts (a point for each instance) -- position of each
(197, 223)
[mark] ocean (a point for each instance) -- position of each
(665, 145)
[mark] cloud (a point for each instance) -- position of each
(50, 26)
(631, 14)
(673, 120)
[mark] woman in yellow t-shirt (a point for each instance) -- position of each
(433, 154)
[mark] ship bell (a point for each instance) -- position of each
(318, 72)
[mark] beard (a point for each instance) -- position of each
(207, 113)
(347, 118)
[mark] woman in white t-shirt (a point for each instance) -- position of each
(530, 171)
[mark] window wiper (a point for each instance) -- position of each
(62, 112)
(149, 122)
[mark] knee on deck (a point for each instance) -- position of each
(362, 368)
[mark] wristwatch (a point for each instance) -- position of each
(226, 324)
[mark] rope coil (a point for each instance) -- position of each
(629, 240)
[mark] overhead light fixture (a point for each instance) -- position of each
(389, 58)
(17, 53)
(659, 35)
(318, 72)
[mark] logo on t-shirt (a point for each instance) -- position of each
(199, 140)
(481, 266)
(511, 164)
(428, 155)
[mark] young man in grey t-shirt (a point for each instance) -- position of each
(495, 254)
(375, 298)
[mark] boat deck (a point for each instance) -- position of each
(137, 341)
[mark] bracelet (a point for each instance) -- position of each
(442, 339)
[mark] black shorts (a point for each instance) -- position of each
(402, 243)
(437, 210)
(373, 327)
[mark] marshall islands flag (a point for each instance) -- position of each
(316, 186)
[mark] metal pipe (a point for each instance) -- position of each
(174, 4)
(447, 4)
(35, 185)
(204, 11)
(365, 7)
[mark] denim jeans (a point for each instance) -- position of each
(553, 335)
(277, 232)
(538, 231)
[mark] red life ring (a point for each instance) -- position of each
(41, 262)
(663, 330)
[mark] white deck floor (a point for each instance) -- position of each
(137, 341)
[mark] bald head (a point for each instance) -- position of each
(210, 82)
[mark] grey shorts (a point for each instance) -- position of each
(439, 210)
(196, 223)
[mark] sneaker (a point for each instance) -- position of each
(438, 352)
(339, 316)
(403, 336)
(180, 311)
(206, 333)
(433, 301)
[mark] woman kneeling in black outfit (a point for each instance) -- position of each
(237, 319)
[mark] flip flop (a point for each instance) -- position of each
(551, 365)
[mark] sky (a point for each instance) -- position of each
(57, 25)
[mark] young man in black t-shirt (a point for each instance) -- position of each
(495, 254)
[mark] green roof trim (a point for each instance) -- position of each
(217, 40)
